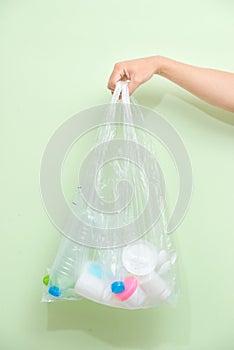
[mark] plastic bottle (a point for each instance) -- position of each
(92, 282)
(67, 264)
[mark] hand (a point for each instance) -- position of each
(138, 71)
(213, 86)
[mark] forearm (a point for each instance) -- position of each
(213, 86)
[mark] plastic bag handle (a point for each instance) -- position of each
(121, 88)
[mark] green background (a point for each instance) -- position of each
(56, 57)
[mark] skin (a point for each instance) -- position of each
(213, 86)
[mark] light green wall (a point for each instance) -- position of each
(56, 57)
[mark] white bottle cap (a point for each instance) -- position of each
(140, 258)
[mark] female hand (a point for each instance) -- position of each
(138, 71)
(213, 86)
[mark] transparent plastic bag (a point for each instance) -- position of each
(121, 254)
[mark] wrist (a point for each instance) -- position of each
(162, 65)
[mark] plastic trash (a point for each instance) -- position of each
(123, 263)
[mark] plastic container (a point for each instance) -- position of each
(155, 287)
(92, 283)
(140, 258)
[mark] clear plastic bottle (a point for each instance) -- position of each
(66, 267)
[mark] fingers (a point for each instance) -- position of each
(119, 73)
(137, 71)
(132, 86)
(114, 78)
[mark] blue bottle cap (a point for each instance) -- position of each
(55, 291)
(95, 269)
(117, 287)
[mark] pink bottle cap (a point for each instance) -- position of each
(130, 284)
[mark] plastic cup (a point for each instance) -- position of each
(140, 258)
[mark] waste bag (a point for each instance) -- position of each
(118, 251)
